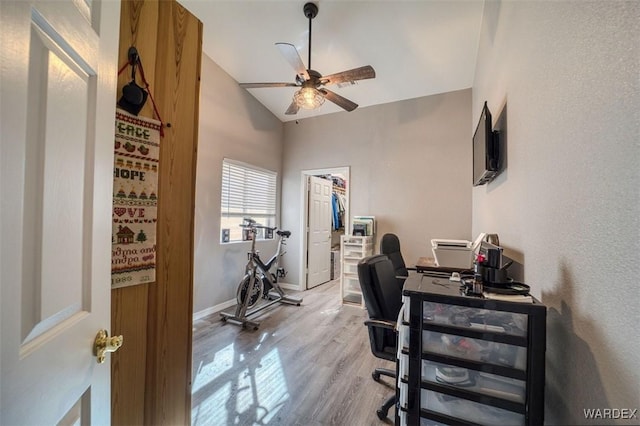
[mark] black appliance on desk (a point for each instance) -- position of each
(490, 265)
(491, 274)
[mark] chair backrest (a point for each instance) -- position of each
(390, 246)
(383, 300)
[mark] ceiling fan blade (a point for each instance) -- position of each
(343, 103)
(293, 109)
(355, 74)
(290, 53)
(258, 85)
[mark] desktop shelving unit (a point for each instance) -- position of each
(352, 250)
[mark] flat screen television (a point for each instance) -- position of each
(486, 155)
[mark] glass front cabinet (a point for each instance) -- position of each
(466, 360)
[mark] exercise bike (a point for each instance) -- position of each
(258, 282)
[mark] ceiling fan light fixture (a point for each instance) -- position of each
(308, 98)
(310, 83)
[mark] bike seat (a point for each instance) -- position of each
(285, 234)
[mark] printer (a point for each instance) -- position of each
(457, 254)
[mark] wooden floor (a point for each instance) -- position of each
(306, 365)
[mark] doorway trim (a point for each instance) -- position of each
(304, 212)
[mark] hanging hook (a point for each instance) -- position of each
(134, 59)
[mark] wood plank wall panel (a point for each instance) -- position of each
(170, 300)
(129, 319)
(151, 372)
(129, 305)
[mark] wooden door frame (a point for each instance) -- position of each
(151, 373)
(304, 213)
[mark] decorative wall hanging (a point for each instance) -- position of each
(135, 189)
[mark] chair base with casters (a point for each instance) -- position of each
(383, 411)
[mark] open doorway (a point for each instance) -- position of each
(340, 189)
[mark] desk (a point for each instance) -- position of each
(469, 360)
(425, 264)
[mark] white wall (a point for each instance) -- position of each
(567, 206)
(235, 125)
(410, 166)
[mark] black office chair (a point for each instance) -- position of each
(383, 300)
(390, 246)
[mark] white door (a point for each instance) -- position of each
(59, 71)
(319, 240)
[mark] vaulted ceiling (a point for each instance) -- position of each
(417, 48)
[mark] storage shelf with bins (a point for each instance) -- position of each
(467, 360)
(352, 250)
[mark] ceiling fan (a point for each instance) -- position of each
(312, 92)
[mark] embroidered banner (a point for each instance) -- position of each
(135, 186)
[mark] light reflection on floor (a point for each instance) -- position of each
(222, 361)
(208, 412)
(252, 397)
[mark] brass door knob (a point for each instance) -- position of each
(103, 344)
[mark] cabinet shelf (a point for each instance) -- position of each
(352, 250)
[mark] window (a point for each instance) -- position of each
(247, 191)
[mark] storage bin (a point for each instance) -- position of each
(468, 410)
(405, 302)
(403, 335)
(481, 319)
(480, 382)
(403, 394)
(501, 354)
(403, 366)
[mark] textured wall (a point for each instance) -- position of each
(410, 166)
(567, 206)
(233, 125)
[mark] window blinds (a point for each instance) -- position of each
(247, 191)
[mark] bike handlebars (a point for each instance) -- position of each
(252, 225)
(255, 226)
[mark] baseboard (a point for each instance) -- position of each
(288, 286)
(224, 305)
(208, 311)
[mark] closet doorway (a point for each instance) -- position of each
(319, 250)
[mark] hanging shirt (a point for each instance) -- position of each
(336, 211)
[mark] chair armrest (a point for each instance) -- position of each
(390, 325)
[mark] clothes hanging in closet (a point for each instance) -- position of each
(338, 202)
